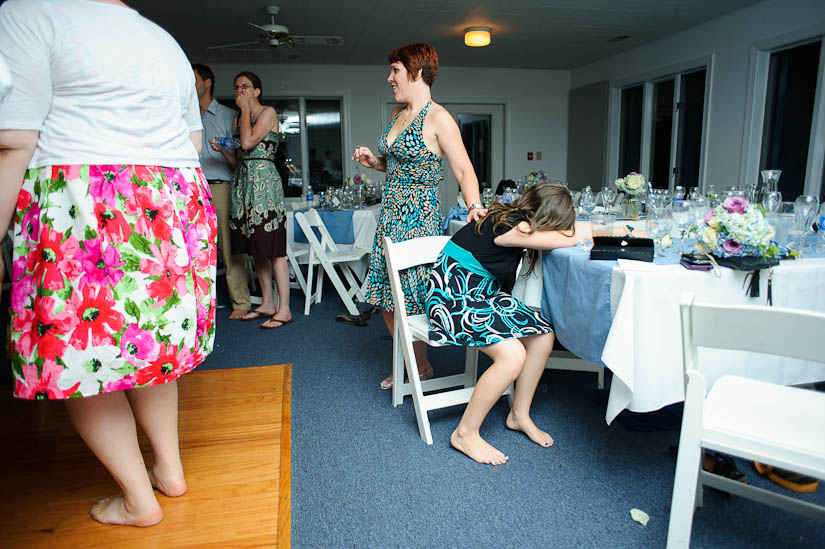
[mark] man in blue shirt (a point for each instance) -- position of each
(217, 164)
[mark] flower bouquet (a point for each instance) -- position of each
(535, 177)
(358, 179)
(735, 228)
(633, 186)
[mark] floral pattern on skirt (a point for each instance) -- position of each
(112, 277)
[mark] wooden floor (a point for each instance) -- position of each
(235, 446)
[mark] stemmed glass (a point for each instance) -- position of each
(587, 201)
(805, 207)
(679, 192)
(771, 201)
(608, 197)
(487, 196)
(770, 178)
(682, 217)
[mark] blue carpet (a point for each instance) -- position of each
(362, 477)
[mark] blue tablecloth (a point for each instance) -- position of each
(338, 223)
(572, 282)
(456, 212)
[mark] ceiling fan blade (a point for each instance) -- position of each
(224, 46)
(262, 31)
(317, 40)
(288, 52)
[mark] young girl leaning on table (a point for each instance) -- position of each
(469, 303)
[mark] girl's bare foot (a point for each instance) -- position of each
(237, 314)
(477, 449)
(112, 510)
(526, 426)
(170, 483)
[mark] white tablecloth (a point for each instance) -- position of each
(364, 223)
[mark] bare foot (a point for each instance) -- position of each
(112, 510)
(171, 484)
(526, 426)
(477, 449)
(237, 314)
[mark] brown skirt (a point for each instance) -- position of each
(260, 243)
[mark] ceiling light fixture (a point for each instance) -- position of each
(477, 37)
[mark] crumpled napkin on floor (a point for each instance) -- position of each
(639, 516)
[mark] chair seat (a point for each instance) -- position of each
(346, 255)
(760, 420)
(420, 329)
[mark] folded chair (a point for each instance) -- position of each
(296, 278)
(325, 253)
(756, 420)
(410, 328)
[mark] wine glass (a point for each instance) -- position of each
(679, 192)
(805, 208)
(658, 225)
(487, 196)
(770, 178)
(608, 197)
(683, 218)
(587, 201)
(771, 201)
(694, 193)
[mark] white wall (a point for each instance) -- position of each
(729, 39)
(535, 104)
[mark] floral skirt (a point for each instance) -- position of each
(468, 309)
(113, 278)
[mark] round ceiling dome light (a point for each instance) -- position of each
(477, 37)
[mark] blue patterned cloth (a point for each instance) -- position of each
(338, 223)
(458, 213)
(410, 208)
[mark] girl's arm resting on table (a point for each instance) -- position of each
(252, 135)
(16, 150)
(518, 237)
(449, 139)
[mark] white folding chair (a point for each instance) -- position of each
(325, 253)
(407, 329)
(756, 420)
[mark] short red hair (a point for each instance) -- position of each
(417, 57)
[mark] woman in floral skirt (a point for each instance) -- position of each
(114, 232)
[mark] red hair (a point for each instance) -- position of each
(417, 57)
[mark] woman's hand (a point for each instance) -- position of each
(475, 214)
(364, 156)
(244, 99)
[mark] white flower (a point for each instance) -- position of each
(80, 215)
(666, 242)
(632, 184)
(95, 365)
(708, 237)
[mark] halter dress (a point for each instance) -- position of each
(410, 208)
(468, 293)
(257, 219)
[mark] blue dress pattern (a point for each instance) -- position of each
(410, 208)
(468, 309)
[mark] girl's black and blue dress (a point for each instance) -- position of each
(468, 300)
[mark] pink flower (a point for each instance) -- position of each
(731, 246)
(121, 384)
(43, 387)
(99, 268)
(30, 224)
(709, 215)
(176, 180)
(22, 291)
(169, 275)
(105, 180)
(735, 204)
(138, 345)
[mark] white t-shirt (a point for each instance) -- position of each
(102, 85)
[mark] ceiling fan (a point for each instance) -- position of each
(278, 37)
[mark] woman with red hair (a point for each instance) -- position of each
(421, 133)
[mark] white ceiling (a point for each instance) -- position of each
(533, 34)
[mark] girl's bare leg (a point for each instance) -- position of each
(538, 348)
(281, 270)
(156, 411)
(425, 370)
(106, 424)
(508, 360)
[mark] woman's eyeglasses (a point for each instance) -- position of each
(243, 87)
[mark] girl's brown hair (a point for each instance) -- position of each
(546, 206)
(415, 57)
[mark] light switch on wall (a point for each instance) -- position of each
(538, 155)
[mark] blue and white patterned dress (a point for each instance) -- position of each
(470, 306)
(410, 208)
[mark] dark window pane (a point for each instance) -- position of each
(691, 114)
(475, 132)
(789, 105)
(661, 132)
(630, 140)
(324, 140)
(288, 160)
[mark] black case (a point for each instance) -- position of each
(616, 247)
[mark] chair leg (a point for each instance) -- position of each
(299, 275)
(397, 368)
(309, 295)
(354, 287)
(339, 287)
(470, 367)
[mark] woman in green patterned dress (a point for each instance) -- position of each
(258, 216)
(420, 135)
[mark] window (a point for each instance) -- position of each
(661, 129)
(310, 152)
(789, 108)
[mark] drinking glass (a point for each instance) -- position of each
(805, 208)
(508, 196)
(602, 224)
(587, 202)
(770, 178)
(679, 192)
(608, 198)
(655, 230)
(683, 218)
(771, 201)
(700, 208)
(694, 193)
(487, 196)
